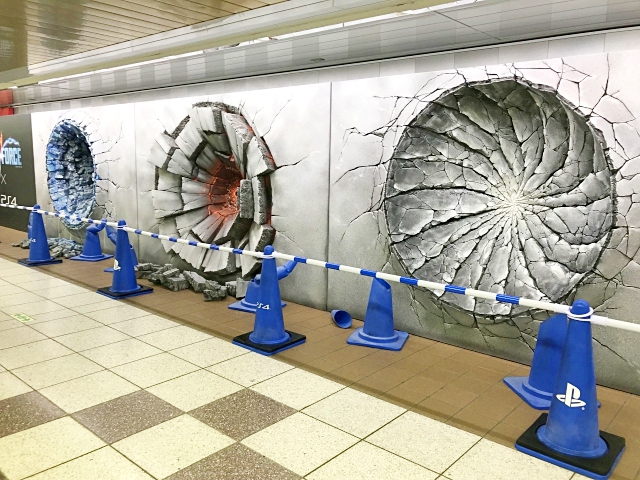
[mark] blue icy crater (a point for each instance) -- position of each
(70, 172)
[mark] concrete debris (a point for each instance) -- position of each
(59, 247)
(196, 282)
(241, 288)
(171, 272)
(172, 278)
(231, 288)
(215, 294)
(176, 283)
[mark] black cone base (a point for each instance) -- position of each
(599, 468)
(269, 349)
(28, 263)
(106, 291)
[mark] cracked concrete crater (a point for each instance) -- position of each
(70, 171)
(503, 187)
(212, 185)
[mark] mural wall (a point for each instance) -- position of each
(519, 178)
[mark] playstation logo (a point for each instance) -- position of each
(571, 398)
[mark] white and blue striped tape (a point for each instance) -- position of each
(438, 287)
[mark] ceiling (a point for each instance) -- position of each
(34, 31)
(285, 36)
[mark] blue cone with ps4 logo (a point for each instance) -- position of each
(124, 276)
(569, 435)
(39, 253)
(269, 335)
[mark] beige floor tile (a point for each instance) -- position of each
(364, 461)
(153, 370)
(52, 293)
(31, 353)
(87, 391)
(33, 309)
(300, 443)
(427, 442)
(172, 445)
(297, 388)
(10, 324)
(79, 299)
(250, 369)
(11, 290)
(209, 352)
(19, 299)
(13, 270)
(103, 464)
(120, 353)
(194, 390)
(491, 461)
(143, 325)
(37, 449)
(64, 326)
(19, 336)
(119, 313)
(93, 338)
(174, 337)
(34, 280)
(354, 412)
(53, 315)
(2, 369)
(10, 386)
(94, 307)
(57, 370)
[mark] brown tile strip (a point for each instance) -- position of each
(416, 377)
(124, 416)
(242, 414)
(236, 462)
(26, 411)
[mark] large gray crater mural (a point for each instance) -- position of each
(212, 185)
(504, 187)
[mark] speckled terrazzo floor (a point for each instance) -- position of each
(97, 389)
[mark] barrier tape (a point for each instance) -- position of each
(437, 287)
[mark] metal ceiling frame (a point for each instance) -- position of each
(283, 18)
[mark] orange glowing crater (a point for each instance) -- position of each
(212, 186)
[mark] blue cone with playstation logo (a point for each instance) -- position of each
(569, 435)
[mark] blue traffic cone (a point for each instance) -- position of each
(92, 251)
(568, 436)
(341, 318)
(250, 301)
(39, 253)
(269, 336)
(537, 389)
(111, 235)
(124, 276)
(378, 331)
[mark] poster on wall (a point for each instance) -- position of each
(17, 181)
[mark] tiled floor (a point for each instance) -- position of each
(99, 389)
